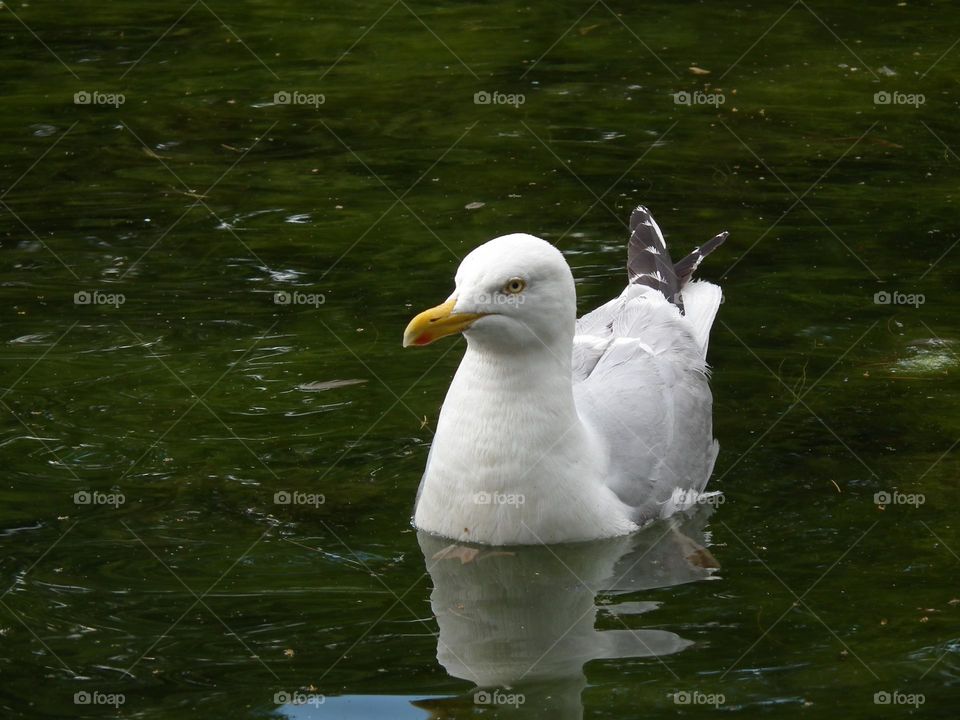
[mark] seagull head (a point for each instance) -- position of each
(512, 293)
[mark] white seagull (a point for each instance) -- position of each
(556, 429)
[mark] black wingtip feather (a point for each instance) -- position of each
(688, 265)
(648, 260)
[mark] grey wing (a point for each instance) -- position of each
(646, 398)
(640, 375)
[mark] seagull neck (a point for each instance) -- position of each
(539, 371)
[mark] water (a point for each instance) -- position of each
(186, 389)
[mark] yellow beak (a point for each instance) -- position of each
(437, 322)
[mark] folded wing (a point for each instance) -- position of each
(640, 375)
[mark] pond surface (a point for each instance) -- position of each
(212, 440)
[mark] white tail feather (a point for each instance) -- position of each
(701, 300)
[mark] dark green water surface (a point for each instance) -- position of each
(146, 561)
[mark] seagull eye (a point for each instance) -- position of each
(514, 286)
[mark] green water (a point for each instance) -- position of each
(198, 398)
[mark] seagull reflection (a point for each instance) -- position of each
(519, 622)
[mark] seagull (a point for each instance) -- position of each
(559, 430)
